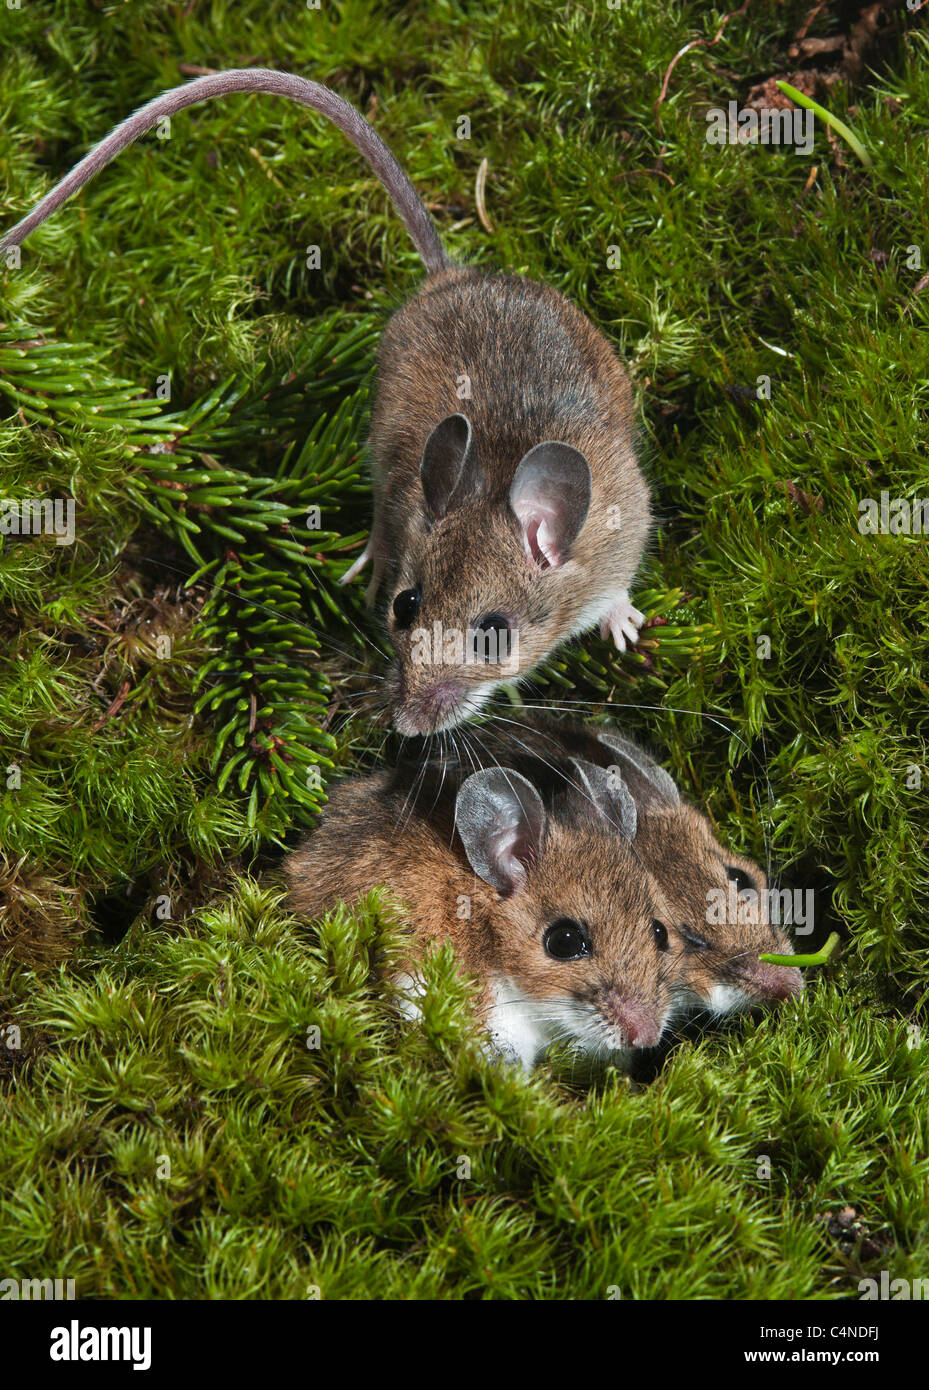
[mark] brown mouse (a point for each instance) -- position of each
(511, 520)
(551, 911)
(510, 513)
(718, 899)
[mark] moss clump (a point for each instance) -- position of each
(234, 1110)
(178, 684)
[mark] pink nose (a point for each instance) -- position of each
(424, 712)
(773, 981)
(634, 1017)
(444, 697)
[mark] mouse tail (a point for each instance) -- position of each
(403, 195)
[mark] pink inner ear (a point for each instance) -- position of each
(538, 541)
(510, 864)
(509, 848)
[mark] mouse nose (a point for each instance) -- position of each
(772, 981)
(426, 710)
(633, 1016)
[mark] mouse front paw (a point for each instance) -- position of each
(622, 623)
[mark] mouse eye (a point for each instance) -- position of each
(743, 882)
(566, 940)
(660, 933)
(406, 606)
(492, 637)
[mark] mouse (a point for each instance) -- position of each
(550, 911)
(510, 510)
(718, 898)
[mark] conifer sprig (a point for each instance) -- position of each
(252, 479)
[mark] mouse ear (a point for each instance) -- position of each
(448, 468)
(550, 494)
(605, 788)
(500, 819)
(650, 785)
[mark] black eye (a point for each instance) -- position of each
(492, 638)
(742, 881)
(660, 933)
(566, 940)
(406, 606)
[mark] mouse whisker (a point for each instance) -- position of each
(321, 638)
(416, 788)
(570, 782)
(566, 705)
(365, 636)
(442, 746)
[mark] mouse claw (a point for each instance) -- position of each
(622, 623)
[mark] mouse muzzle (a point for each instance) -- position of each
(632, 1017)
(432, 707)
(766, 981)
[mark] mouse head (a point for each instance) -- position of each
(719, 900)
(578, 926)
(473, 603)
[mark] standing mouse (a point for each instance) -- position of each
(719, 900)
(510, 513)
(553, 913)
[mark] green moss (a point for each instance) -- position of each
(172, 684)
(232, 1108)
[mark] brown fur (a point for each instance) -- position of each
(679, 849)
(689, 861)
(539, 370)
(365, 840)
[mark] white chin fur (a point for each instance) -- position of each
(410, 990)
(522, 1028)
(472, 703)
(727, 999)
